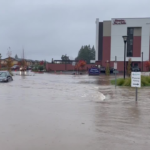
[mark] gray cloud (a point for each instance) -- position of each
(49, 28)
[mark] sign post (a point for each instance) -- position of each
(136, 82)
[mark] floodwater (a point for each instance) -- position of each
(67, 112)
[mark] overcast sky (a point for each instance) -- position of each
(47, 29)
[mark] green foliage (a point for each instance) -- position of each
(129, 67)
(86, 53)
(127, 82)
(145, 81)
(107, 69)
(120, 82)
(41, 68)
(65, 57)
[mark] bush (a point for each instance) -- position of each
(145, 81)
(120, 82)
(127, 82)
(41, 68)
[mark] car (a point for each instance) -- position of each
(102, 69)
(15, 67)
(5, 76)
(112, 70)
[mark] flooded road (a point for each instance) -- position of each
(66, 112)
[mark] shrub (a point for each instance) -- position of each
(127, 82)
(147, 79)
(120, 82)
(144, 81)
(107, 69)
(40, 68)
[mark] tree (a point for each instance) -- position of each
(9, 61)
(107, 69)
(16, 57)
(40, 68)
(65, 57)
(147, 65)
(129, 67)
(80, 64)
(86, 53)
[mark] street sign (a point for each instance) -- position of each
(115, 71)
(136, 79)
(115, 65)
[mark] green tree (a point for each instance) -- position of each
(107, 69)
(41, 68)
(86, 53)
(16, 57)
(65, 57)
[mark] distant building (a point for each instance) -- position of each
(109, 41)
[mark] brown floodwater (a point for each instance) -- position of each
(67, 112)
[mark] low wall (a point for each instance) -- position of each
(64, 67)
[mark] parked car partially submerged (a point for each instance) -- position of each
(15, 67)
(103, 69)
(5, 76)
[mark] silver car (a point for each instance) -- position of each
(5, 76)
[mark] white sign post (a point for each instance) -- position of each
(115, 65)
(136, 81)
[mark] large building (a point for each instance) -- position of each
(109, 41)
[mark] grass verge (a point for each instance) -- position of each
(145, 81)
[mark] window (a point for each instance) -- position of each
(131, 41)
(131, 30)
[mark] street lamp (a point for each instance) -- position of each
(125, 41)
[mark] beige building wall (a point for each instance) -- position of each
(137, 31)
(107, 28)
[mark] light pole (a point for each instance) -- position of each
(125, 41)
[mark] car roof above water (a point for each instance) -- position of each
(5, 72)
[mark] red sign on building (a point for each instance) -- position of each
(119, 21)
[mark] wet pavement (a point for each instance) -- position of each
(67, 112)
